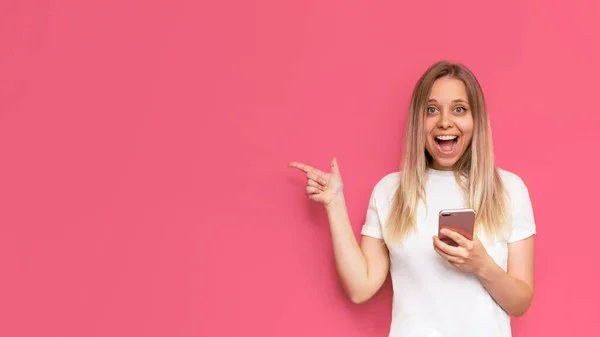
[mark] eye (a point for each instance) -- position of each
(431, 109)
(460, 109)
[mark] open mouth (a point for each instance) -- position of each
(446, 144)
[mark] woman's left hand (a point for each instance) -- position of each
(469, 256)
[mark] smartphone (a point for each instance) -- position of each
(460, 220)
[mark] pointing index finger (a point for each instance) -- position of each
(306, 168)
(302, 167)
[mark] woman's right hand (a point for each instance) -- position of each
(322, 187)
(362, 267)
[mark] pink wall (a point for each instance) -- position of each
(143, 181)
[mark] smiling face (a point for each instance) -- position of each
(448, 123)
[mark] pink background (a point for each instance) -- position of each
(143, 181)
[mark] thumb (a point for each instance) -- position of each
(334, 166)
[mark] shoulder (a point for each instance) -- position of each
(389, 183)
(386, 187)
(521, 209)
(390, 180)
(511, 180)
(514, 185)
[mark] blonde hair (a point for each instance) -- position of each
(475, 171)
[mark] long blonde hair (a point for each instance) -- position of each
(475, 171)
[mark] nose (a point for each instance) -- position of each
(444, 124)
(445, 121)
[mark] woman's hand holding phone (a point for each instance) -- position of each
(469, 256)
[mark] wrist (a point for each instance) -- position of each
(336, 202)
(486, 268)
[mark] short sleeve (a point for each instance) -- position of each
(523, 223)
(372, 225)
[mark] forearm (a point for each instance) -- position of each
(350, 261)
(511, 293)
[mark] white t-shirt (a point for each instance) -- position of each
(431, 297)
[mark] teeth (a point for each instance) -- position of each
(446, 137)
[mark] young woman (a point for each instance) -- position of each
(439, 289)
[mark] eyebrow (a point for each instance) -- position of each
(431, 100)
